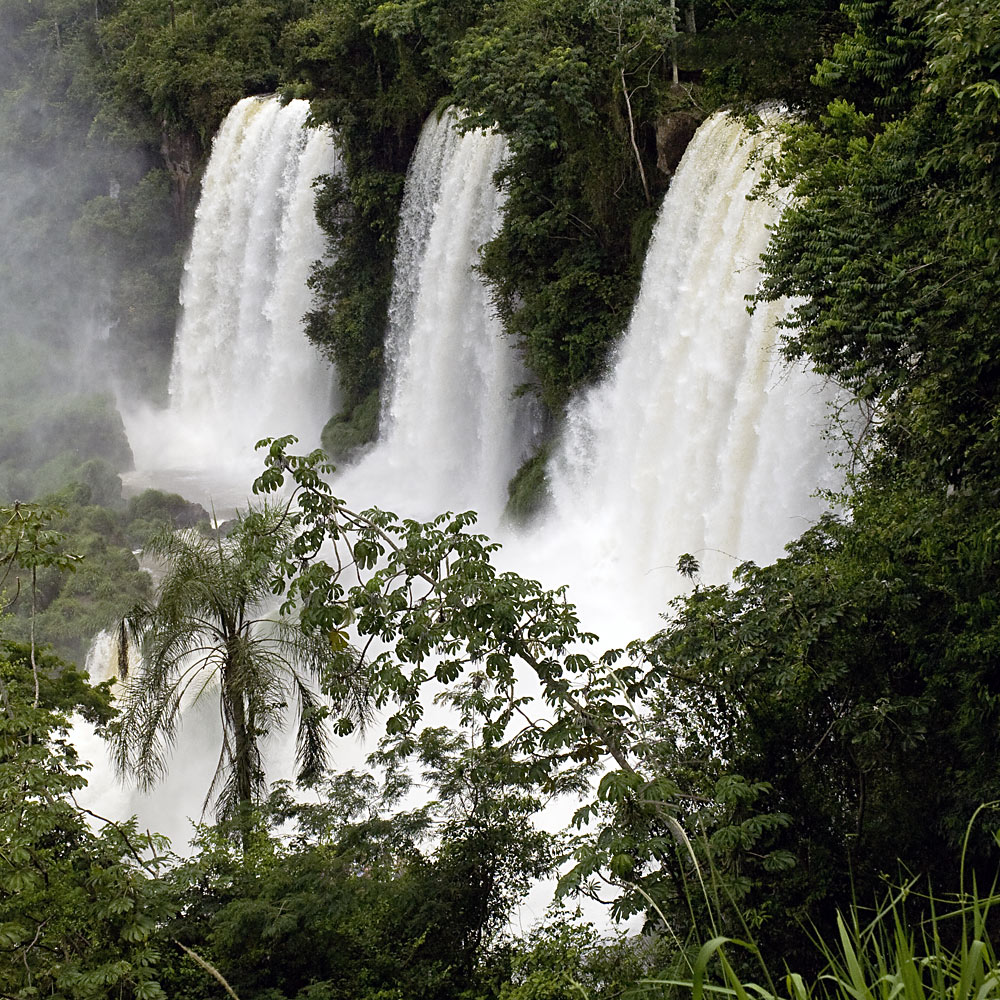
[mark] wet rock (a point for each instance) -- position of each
(673, 133)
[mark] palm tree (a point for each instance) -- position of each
(207, 622)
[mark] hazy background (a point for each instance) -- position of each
(90, 254)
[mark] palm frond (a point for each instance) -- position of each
(206, 621)
(312, 741)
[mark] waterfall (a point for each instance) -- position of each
(242, 366)
(701, 440)
(452, 434)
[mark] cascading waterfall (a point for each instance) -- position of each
(242, 369)
(242, 366)
(452, 434)
(436, 148)
(701, 440)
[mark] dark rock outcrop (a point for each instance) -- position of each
(181, 155)
(673, 133)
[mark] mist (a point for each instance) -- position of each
(88, 234)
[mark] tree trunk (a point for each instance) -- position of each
(673, 42)
(242, 754)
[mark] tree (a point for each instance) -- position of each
(443, 612)
(207, 622)
(357, 894)
(574, 87)
(769, 744)
(27, 543)
(79, 906)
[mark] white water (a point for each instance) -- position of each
(242, 367)
(176, 802)
(701, 441)
(452, 434)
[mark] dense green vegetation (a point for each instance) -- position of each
(819, 730)
(68, 609)
(583, 93)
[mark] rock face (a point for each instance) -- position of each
(673, 133)
(181, 154)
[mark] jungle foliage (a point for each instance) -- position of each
(354, 897)
(578, 88)
(103, 532)
(819, 729)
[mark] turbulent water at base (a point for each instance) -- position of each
(701, 441)
(452, 432)
(242, 366)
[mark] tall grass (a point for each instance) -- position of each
(945, 953)
(886, 958)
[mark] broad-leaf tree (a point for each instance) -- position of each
(514, 658)
(766, 744)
